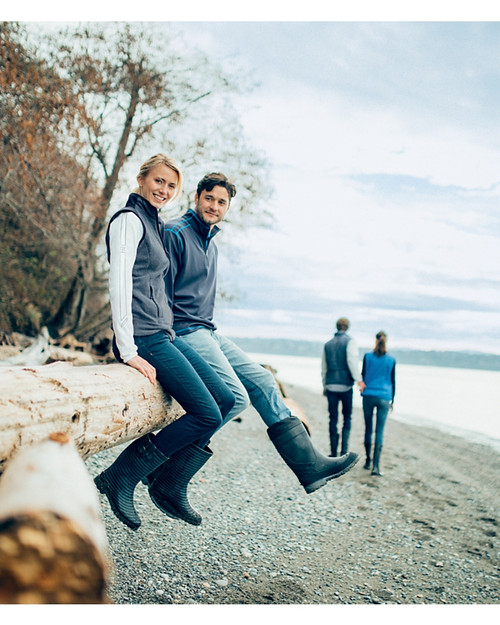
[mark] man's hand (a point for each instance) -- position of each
(144, 367)
(361, 386)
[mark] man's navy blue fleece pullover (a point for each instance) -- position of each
(191, 281)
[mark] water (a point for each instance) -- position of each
(465, 402)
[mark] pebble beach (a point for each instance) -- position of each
(425, 533)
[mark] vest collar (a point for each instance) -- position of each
(137, 201)
(205, 231)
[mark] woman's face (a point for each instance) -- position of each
(159, 185)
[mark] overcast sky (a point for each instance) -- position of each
(384, 139)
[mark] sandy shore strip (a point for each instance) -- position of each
(427, 532)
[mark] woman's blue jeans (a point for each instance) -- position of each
(370, 404)
(185, 376)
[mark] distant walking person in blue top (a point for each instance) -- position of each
(379, 378)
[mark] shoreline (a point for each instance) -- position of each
(426, 533)
(471, 435)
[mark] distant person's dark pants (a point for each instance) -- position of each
(381, 406)
(344, 398)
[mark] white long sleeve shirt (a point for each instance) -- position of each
(125, 233)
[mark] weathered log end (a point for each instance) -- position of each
(45, 559)
(53, 544)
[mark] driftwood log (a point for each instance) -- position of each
(96, 406)
(53, 546)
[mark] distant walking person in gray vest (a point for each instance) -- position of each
(340, 369)
(379, 378)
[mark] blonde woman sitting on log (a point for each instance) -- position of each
(144, 339)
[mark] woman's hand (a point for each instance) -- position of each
(144, 367)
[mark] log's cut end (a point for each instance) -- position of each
(53, 544)
(45, 559)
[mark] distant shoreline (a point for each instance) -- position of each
(431, 358)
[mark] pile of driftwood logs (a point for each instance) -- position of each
(53, 546)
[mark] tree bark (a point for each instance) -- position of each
(53, 545)
(96, 406)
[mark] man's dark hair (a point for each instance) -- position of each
(208, 182)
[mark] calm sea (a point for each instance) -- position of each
(465, 402)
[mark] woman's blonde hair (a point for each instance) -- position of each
(161, 159)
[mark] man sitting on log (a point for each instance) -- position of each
(191, 288)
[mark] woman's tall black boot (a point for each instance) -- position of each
(118, 481)
(168, 490)
(312, 468)
(368, 448)
(376, 460)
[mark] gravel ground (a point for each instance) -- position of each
(427, 532)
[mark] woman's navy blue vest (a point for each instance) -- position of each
(150, 310)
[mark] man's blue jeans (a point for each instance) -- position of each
(370, 404)
(246, 379)
(185, 376)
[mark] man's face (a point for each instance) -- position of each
(212, 206)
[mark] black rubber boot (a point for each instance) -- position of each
(118, 481)
(312, 468)
(377, 450)
(334, 443)
(344, 448)
(169, 488)
(368, 448)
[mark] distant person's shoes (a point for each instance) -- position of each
(312, 468)
(368, 460)
(376, 460)
(334, 443)
(344, 447)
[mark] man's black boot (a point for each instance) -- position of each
(312, 468)
(118, 481)
(168, 491)
(334, 442)
(368, 448)
(376, 460)
(344, 448)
